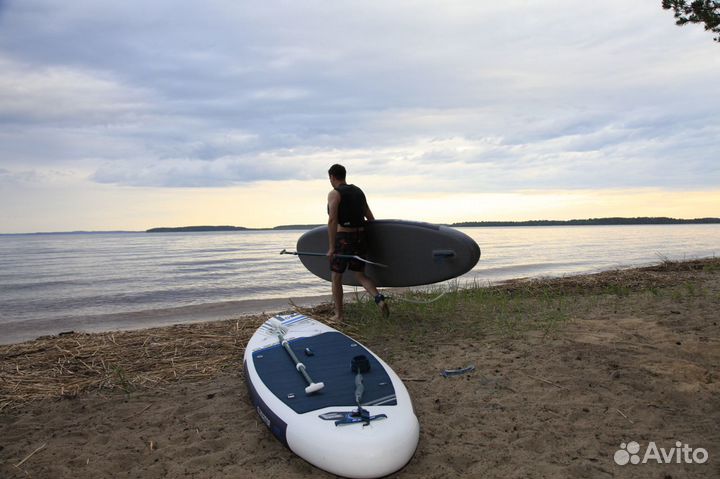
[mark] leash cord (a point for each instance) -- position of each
(405, 300)
(413, 301)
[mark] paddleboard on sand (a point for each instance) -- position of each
(308, 397)
(412, 253)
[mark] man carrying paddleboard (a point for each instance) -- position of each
(347, 213)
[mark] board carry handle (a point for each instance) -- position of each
(443, 253)
(280, 330)
(347, 256)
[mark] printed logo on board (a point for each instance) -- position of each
(262, 415)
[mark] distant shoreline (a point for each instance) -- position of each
(610, 221)
(592, 222)
(476, 224)
(186, 229)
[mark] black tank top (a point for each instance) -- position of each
(351, 212)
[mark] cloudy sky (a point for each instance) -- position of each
(135, 114)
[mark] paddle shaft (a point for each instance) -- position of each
(346, 256)
(298, 365)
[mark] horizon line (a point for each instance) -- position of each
(600, 221)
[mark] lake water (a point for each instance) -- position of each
(55, 282)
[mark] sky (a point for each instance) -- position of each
(131, 115)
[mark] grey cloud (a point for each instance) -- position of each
(516, 95)
(193, 172)
(183, 173)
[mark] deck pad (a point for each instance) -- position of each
(332, 353)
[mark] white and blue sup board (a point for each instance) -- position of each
(329, 399)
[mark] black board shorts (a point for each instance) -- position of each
(349, 244)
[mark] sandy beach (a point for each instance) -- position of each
(567, 371)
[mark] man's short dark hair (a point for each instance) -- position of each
(338, 171)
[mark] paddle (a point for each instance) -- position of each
(280, 330)
(348, 256)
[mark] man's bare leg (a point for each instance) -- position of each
(337, 292)
(370, 287)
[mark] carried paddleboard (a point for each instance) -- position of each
(308, 397)
(410, 253)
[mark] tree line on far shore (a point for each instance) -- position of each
(661, 220)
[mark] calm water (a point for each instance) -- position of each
(45, 278)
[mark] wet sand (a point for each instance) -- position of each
(567, 370)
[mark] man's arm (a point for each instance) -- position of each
(368, 213)
(333, 207)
